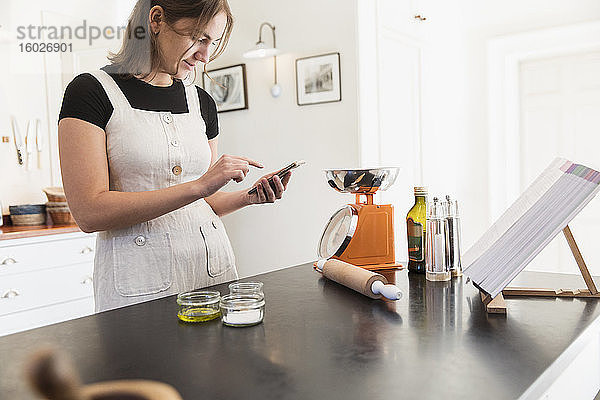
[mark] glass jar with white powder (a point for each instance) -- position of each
(242, 309)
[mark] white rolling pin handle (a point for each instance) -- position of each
(321, 263)
(391, 292)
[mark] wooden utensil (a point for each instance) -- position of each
(52, 375)
(363, 281)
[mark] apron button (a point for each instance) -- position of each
(174, 143)
(177, 170)
(167, 118)
(140, 240)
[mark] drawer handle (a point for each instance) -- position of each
(10, 294)
(87, 250)
(8, 260)
(87, 281)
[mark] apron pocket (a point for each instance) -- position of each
(219, 253)
(143, 264)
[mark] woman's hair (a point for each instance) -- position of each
(140, 54)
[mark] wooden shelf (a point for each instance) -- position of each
(18, 232)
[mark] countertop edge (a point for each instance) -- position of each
(545, 381)
(20, 232)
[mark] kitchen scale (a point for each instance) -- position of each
(362, 233)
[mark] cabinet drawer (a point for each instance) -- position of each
(38, 317)
(20, 292)
(32, 256)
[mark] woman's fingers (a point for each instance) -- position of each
(271, 187)
(269, 193)
(286, 179)
(279, 189)
(238, 175)
(261, 195)
(244, 168)
(237, 170)
(266, 186)
(250, 161)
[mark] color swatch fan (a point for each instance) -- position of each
(524, 230)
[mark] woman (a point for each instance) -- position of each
(138, 152)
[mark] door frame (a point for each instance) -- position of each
(370, 33)
(504, 56)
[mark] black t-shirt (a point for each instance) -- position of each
(86, 99)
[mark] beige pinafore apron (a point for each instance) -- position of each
(183, 250)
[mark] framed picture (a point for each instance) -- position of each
(318, 79)
(228, 87)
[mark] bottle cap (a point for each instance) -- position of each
(420, 190)
(435, 209)
(451, 207)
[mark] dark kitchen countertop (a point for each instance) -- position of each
(320, 340)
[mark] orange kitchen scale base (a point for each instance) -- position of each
(361, 234)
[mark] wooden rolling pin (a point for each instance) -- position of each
(369, 283)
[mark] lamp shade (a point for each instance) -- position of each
(261, 51)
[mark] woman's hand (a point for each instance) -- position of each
(225, 169)
(265, 193)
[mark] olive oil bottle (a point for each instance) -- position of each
(415, 227)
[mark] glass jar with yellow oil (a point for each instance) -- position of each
(198, 305)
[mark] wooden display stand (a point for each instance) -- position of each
(497, 305)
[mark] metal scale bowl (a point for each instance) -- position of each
(361, 234)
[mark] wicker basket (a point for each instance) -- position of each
(28, 219)
(56, 204)
(55, 194)
(60, 216)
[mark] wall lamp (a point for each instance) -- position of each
(261, 50)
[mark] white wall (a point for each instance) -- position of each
(23, 88)
(277, 131)
(454, 94)
(455, 107)
(482, 21)
(273, 131)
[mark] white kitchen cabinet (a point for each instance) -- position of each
(45, 280)
(406, 17)
(46, 315)
(393, 44)
(408, 64)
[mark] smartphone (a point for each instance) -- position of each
(281, 173)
